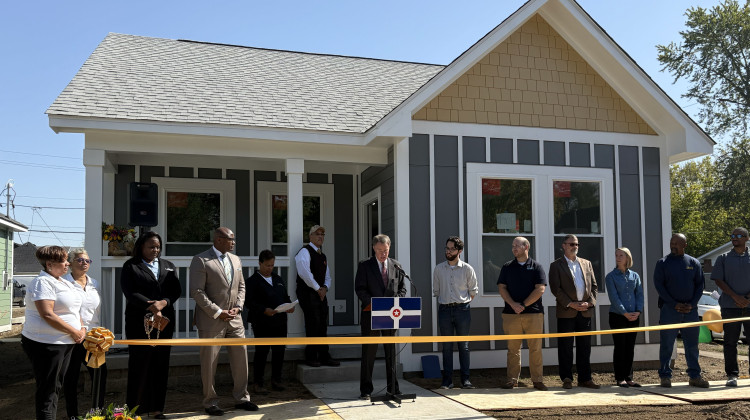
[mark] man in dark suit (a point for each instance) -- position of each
(378, 276)
(218, 288)
(573, 283)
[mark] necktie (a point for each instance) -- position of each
(385, 275)
(227, 267)
(319, 251)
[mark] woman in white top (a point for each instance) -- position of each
(52, 327)
(91, 318)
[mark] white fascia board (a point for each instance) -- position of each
(620, 72)
(154, 144)
(13, 226)
(69, 124)
(460, 65)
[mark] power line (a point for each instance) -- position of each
(42, 165)
(38, 154)
(36, 210)
(51, 198)
(54, 208)
(54, 231)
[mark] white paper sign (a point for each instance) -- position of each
(506, 221)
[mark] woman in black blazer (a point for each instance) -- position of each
(151, 286)
(265, 291)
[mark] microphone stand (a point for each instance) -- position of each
(397, 398)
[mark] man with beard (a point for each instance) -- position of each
(454, 283)
(678, 279)
(732, 274)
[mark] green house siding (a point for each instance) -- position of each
(6, 293)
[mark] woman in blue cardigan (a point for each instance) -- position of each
(625, 292)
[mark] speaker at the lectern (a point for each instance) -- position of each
(144, 198)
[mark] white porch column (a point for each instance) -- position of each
(294, 170)
(98, 168)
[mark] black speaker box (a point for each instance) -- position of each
(144, 207)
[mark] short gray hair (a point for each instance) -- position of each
(75, 252)
(523, 240)
(381, 239)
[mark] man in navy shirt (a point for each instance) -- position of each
(678, 279)
(521, 284)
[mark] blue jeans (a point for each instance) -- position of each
(455, 320)
(689, 339)
(731, 336)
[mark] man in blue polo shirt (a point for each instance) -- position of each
(678, 279)
(732, 274)
(521, 284)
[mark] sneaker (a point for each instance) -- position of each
(698, 382)
(467, 385)
(666, 383)
(446, 386)
(732, 381)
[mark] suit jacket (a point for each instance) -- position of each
(261, 295)
(562, 286)
(369, 282)
(139, 286)
(211, 290)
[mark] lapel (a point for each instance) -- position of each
(218, 265)
(162, 271)
(147, 271)
(378, 275)
(566, 269)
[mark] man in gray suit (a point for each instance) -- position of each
(218, 288)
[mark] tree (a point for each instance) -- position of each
(705, 222)
(714, 57)
(733, 183)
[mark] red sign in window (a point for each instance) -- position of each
(490, 186)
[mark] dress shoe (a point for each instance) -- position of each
(258, 390)
(665, 382)
(214, 411)
(589, 384)
(634, 384)
(698, 382)
(276, 386)
(508, 384)
(623, 384)
(247, 406)
(364, 396)
(567, 383)
(312, 363)
(540, 386)
(331, 362)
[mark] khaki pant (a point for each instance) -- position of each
(524, 324)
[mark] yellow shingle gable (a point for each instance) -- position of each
(535, 79)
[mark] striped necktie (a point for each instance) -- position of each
(227, 267)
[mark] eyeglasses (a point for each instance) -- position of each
(571, 243)
(451, 249)
(83, 260)
(733, 236)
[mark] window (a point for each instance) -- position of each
(190, 209)
(543, 205)
(310, 218)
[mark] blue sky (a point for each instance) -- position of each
(44, 43)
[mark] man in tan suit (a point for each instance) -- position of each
(218, 288)
(572, 281)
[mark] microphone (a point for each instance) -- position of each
(400, 269)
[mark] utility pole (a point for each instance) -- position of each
(8, 186)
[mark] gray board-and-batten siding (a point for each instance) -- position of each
(446, 164)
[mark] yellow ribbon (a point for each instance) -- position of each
(96, 343)
(399, 338)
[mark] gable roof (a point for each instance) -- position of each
(12, 224)
(132, 77)
(24, 259)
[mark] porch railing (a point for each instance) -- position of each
(113, 301)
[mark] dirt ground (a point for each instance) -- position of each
(183, 395)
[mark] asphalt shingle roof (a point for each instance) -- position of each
(152, 79)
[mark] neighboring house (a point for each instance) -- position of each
(708, 259)
(25, 265)
(544, 127)
(8, 227)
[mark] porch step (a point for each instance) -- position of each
(348, 371)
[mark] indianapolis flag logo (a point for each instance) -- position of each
(396, 313)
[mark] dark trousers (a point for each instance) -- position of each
(49, 362)
(368, 357)
(70, 383)
(148, 372)
(583, 348)
(731, 336)
(624, 352)
(316, 322)
(261, 354)
(455, 320)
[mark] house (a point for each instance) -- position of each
(543, 127)
(708, 259)
(25, 265)
(8, 227)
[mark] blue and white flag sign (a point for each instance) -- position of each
(390, 313)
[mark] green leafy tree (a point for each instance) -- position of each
(714, 56)
(705, 222)
(732, 191)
